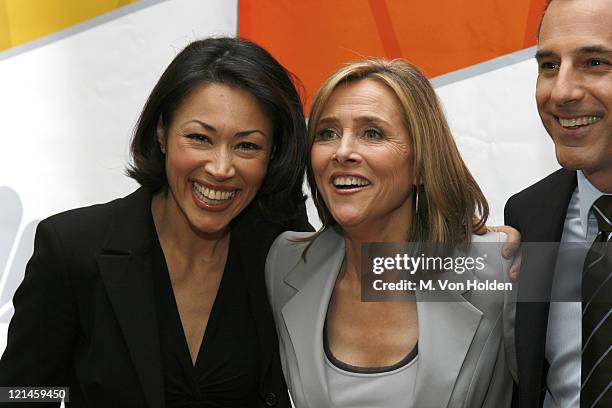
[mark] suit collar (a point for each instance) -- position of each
(440, 356)
(126, 271)
(548, 207)
(588, 194)
(131, 229)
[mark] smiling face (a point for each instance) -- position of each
(362, 160)
(574, 87)
(217, 150)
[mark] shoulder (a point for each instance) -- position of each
(83, 218)
(285, 253)
(291, 242)
(490, 237)
(91, 225)
(292, 246)
(482, 273)
(293, 259)
(489, 248)
(548, 185)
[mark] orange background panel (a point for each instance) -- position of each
(313, 38)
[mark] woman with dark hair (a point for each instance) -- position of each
(157, 299)
(384, 168)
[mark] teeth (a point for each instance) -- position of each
(574, 122)
(212, 196)
(350, 181)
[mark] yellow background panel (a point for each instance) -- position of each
(26, 20)
(5, 34)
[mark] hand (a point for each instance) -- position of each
(511, 248)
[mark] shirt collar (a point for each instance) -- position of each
(588, 194)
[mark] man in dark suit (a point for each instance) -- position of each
(563, 348)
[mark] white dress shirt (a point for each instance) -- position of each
(564, 333)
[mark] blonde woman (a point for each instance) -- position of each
(384, 168)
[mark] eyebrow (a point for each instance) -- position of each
(360, 119)
(211, 128)
(594, 49)
(589, 49)
(542, 54)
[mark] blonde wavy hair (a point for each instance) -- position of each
(451, 206)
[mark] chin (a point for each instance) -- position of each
(211, 232)
(210, 227)
(572, 159)
(349, 220)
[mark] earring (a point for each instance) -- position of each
(416, 211)
(162, 148)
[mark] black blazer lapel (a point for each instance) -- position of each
(253, 239)
(125, 268)
(539, 214)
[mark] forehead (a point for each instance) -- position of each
(364, 95)
(571, 24)
(213, 100)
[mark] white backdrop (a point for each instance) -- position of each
(69, 107)
(495, 122)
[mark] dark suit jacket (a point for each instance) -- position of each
(538, 212)
(85, 313)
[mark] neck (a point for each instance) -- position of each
(177, 235)
(391, 229)
(600, 179)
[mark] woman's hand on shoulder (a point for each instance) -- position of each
(510, 249)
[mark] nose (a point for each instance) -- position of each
(567, 87)
(347, 152)
(221, 165)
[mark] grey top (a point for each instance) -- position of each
(389, 388)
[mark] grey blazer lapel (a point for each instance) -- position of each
(314, 291)
(446, 331)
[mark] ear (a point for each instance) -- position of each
(161, 137)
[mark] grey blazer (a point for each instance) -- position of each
(461, 343)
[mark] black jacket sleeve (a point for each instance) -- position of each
(42, 332)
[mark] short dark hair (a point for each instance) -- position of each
(546, 5)
(245, 65)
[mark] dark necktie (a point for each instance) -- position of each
(596, 391)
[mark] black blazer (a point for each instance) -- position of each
(538, 212)
(85, 314)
